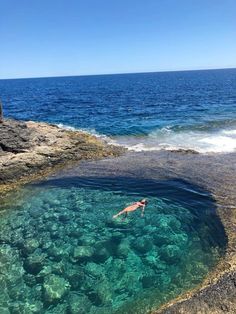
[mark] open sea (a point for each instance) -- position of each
(60, 250)
(150, 111)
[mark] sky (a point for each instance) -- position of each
(82, 37)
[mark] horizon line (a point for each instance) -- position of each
(119, 73)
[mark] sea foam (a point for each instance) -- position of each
(222, 141)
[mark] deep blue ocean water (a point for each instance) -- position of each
(149, 111)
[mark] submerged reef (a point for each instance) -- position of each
(61, 252)
(30, 149)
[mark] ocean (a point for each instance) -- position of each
(148, 111)
(60, 249)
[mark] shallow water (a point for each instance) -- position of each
(61, 251)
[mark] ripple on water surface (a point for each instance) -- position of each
(60, 251)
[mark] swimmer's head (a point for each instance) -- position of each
(144, 201)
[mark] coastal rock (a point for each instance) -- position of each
(15, 136)
(55, 288)
(30, 149)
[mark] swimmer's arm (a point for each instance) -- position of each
(142, 212)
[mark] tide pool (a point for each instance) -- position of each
(61, 251)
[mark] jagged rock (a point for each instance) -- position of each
(30, 148)
(15, 136)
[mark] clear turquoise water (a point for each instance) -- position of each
(61, 252)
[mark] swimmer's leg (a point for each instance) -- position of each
(120, 213)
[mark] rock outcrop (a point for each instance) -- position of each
(28, 149)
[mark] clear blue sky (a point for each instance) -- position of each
(77, 37)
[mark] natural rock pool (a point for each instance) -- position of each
(61, 251)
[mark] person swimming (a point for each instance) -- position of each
(140, 204)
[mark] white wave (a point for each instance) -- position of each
(66, 127)
(87, 131)
(223, 141)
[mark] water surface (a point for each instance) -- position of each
(61, 250)
(148, 111)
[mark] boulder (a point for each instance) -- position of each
(82, 252)
(55, 288)
(78, 304)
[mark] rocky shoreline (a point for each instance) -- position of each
(30, 149)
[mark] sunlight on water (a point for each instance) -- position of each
(61, 252)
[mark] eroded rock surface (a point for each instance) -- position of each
(219, 298)
(27, 148)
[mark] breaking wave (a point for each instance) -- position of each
(167, 138)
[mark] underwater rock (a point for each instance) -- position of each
(78, 304)
(74, 231)
(164, 222)
(29, 246)
(101, 253)
(47, 270)
(35, 262)
(55, 288)
(66, 217)
(36, 212)
(16, 238)
(170, 253)
(123, 249)
(142, 244)
(148, 280)
(87, 240)
(118, 223)
(94, 270)
(117, 236)
(29, 279)
(35, 307)
(102, 293)
(58, 251)
(11, 269)
(61, 308)
(75, 276)
(4, 310)
(16, 223)
(163, 280)
(82, 252)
